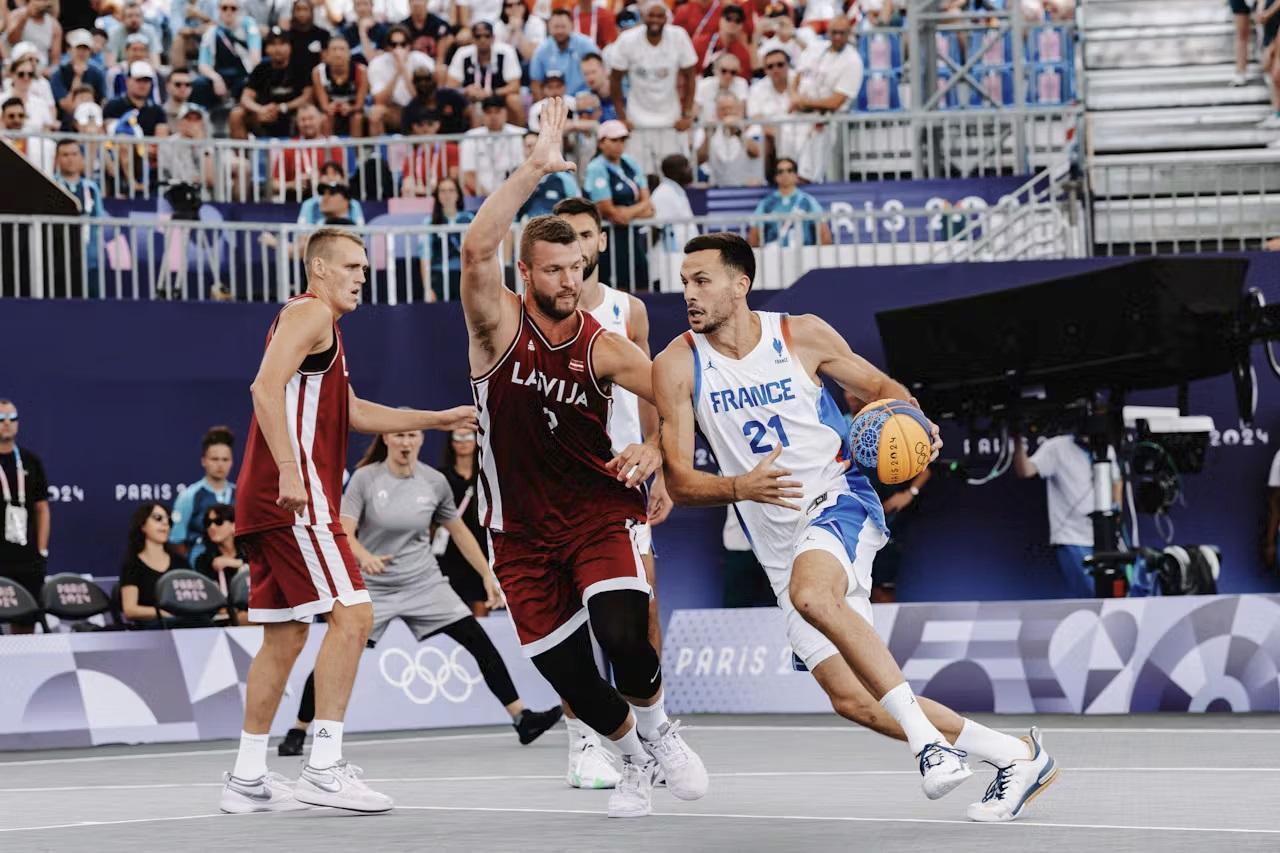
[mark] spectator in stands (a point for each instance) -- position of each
(733, 151)
(190, 163)
(660, 66)
(332, 199)
(819, 14)
(273, 93)
(178, 90)
(148, 556)
(563, 52)
(341, 87)
(880, 13)
(1066, 464)
(441, 251)
(24, 491)
(221, 557)
(617, 185)
(229, 51)
(36, 23)
(36, 149)
(491, 151)
(365, 34)
(788, 199)
(1270, 20)
(595, 21)
(484, 69)
(189, 20)
(393, 77)
(215, 487)
(26, 84)
(553, 87)
(728, 38)
(135, 50)
(77, 69)
(770, 99)
(702, 17)
(331, 14)
(597, 77)
(428, 33)
(81, 94)
(516, 27)
(554, 187)
(296, 170)
(306, 38)
(132, 23)
(87, 119)
(777, 31)
(828, 78)
(725, 81)
(671, 204)
(472, 12)
(138, 101)
(428, 162)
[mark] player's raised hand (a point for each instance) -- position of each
(548, 151)
(764, 484)
(292, 494)
(934, 433)
(459, 417)
(636, 463)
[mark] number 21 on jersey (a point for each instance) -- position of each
(756, 432)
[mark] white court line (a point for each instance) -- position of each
(746, 774)
(84, 823)
(848, 728)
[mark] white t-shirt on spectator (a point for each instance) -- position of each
(708, 89)
(652, 71)
(671, 204)
(535, 30)
(40, 108)
(483, 10)
(820, 10)
(492, 159)
(391, 11)
(535, 111)
(383, 70)
(765, 101)
(800, 42)
(824, 72)
(728, 164)
(1067, 470)
(502, 56)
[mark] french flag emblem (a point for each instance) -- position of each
(576, 365)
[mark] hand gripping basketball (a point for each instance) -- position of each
(764, 484)
(548, 151)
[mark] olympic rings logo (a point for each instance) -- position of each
(442, 674)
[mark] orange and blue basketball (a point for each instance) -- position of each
(890, 441)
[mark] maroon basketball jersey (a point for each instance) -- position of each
(316, 403)
(544, 440)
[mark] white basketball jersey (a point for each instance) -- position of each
(614, 313)
(746, 407)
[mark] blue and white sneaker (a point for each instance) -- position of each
(1016, 785)
(943, 768)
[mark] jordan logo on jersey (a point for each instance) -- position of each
(551, 388)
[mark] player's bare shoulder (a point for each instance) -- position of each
(307, 321)
(674, 365)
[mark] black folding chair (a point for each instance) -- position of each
(17, 606)
(189, 596)
(238, 596)
(74, 599)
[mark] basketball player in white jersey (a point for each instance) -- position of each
(630, 420)
(752, 382)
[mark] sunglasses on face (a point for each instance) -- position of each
(229, 8)
(180, 84)
(10, 416)
(728, 71)
(785, 171)
(25, 75)
(733, 19)
(214, 521)
(397, 43)
(773, 65)
(329, 189)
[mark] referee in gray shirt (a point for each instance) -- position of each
(388, 511)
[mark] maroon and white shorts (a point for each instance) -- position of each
(297, 572)
(547, 586)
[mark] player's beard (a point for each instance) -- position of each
(547, 304)
(589, 265)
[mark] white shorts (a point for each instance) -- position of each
(846, 532)
(642, 535)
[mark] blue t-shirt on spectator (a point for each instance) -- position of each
(619, 184)
(798, 202)
(549, 192)
(178, 13)
(188, 514)
(309, 213)
(549, 57)
(60, 80)
(430, 246)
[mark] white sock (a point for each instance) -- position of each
(990, 745)
(629, 744)
(901, 704)
(251, 760)
(580, 734)
(326, 744)
(650, 719)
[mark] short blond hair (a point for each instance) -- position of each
(319, 241)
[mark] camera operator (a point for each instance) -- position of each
(1065, 462)
(187, 166)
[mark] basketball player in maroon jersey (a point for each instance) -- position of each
(559, 503)
(287, 515)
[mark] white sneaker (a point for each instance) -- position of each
(1271, 122)
(1016, 785)
(943, 767)
(684, 771)
(1238, 80)
(270, 793)
(634, 795)
(591, 767)
(339, 787)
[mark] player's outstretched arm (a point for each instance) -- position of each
(491, 310)
(305, 327)
(673, 392)
(374, 418)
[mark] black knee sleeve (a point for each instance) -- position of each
(468, 634)
(570, 668)
(620, 621)
(307, 705)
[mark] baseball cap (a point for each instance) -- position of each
(553, 74)
(22, 50)
(192, 109)
(141, 69)
(613, 129)
(80, 38)
(137, 38)
(88, 113)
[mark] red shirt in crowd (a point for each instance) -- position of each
(709, 46)
(699, 19)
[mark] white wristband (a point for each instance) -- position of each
(915, 493)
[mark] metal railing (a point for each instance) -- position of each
(155, 258)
